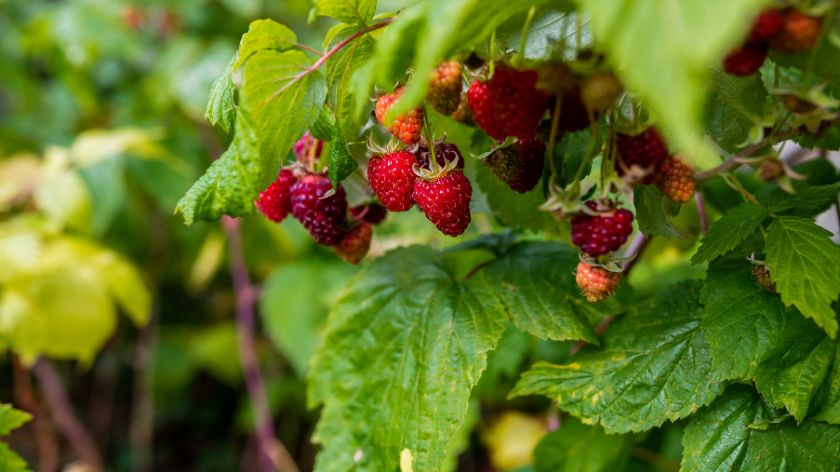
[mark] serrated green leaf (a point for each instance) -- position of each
(10, 461)
(221, 107)
(342, 163)
(805, 265)
(720, 438)
(654, 366)
(230, 184)
(347, 11)
(576, 447)
(11, 418)
(734, 108)
(403, 347)
(261, 35)
(323, 127)
(652, 213)
(667, 62)
(340, 70)
(280, 101)
(815, 197)
(826, 405)
(724, 234)
(536, 284)
(513, 209)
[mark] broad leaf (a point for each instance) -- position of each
(576, 447)
(652, 213)
(826, 405)
(221, 108)
(667, 61)
(732, 228)
(347, 11)
(513, 209)
(816, 197)
(735, 108)
(654, 366)
(340, 69)
(404, 346)
(738, 432)
(805, 265)
(342, 163)
(264, 34)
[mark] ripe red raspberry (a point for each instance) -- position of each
(391, 177)
(324, 218)
(799, 32)
(308, 144)
(573, 114)
(508, 104)
(445, 152)
(676, 179)
(407, 128)
(372, 213)
(746, 60)
(274, 202)
(355, 244)
(600, 234)
(600, 91)
(445, 87)
(595, 282)
(519, 165)
(767, 24)
(445, 201)
(643, 151)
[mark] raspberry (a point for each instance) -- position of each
(643, 151)
(799, 33)
(746, 60)
(372, 213)
(676, 179)
(520, 165)
(573, 115)
(770, 170)
(463, 114)
(508, 104)
(274, 202)
(605, 232)
(304, 146)
(355, 244)
(407, 128)
(322, 217)
(595, 282)
(391, 177)
(445, 201)
(445, 87)
(445, 152)
(761, 274)
(600, 91)
(767, 24)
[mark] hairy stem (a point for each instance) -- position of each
(65, 419)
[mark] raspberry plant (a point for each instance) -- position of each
(590, 122)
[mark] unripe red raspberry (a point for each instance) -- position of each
(596, 283)
(676, 179)
(463, 114)
(600, 91)
(519, 165)
(372, 213)
(275, 201)
(445, 87)
(324, 218)
(355, 244)
(799, 32)
(761, 274)
(408, 127)
(603, 232)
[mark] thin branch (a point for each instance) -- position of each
(332, 51)
(701, 211)
(48, 450)
(309, 49)
(634, 251)
(273, 455)
(62, 413)
(141, 428)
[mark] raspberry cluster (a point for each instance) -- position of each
(603, 231)
(785, 30)
(596, 283)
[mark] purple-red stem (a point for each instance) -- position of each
(62, 413)
(701, 212)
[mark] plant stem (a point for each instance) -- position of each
(309, 49)
(701, 211)
(141, 428)
(273, 456)
(638, 245)
(321, 60)
(48, 450)
(62, 413)
(552, 138)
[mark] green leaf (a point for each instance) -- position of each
(735, 108)
(347, 11)
(323, 127)
(230, 184)
(826, 405)
(221, 107)
(513, 209)
(576, 447)
(10, 461)
(805, 265)
(342, 163)
(720, 437)
(652, 213)
(654, 366)
(732, 228)
(340, 69)
(280, 102)
(667, 62)
(294, 305)
(395, 48)
(403, 347)
(815, 197)
(262, 35)
(536, 284)
(823, 59)
(11, 418)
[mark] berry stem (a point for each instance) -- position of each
(309, 49)
(321, 60)
(526, 28)
(552, 137)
